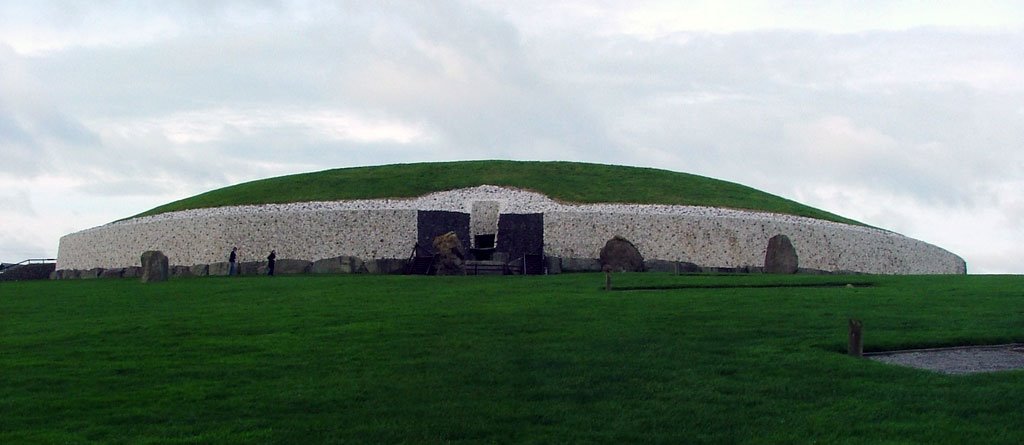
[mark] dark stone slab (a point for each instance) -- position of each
(554, 265)
(433, 223)
(68, 274)
(218, 269)
(670, 266)
(132, 272)
(780, 257)
(199, 270)
(113, 273)
(252, 268)
(581, 265)
(290, 266)
(91, 273)
(521, 234)
(154, 266)
(181, 271)
(387, 266)
(620, 255)
(340, 264)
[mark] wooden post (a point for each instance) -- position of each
(607, 278)
(856, 345)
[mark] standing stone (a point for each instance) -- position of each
(451, 254)
(554, 265)
(218, 269)
(252, 268)
(154, 266)
(290, 266)
(340, 264)
(581, 264)
(199, 270)
(95, 272)
(113, 273)
(620, 255)
(781, 256)
(386, 266)
(68, 274)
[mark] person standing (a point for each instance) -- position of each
(233, 262)
(270, 262)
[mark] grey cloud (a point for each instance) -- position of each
(16, 202)
(737, 92)
(929, 114)
(125, 187)
(15, 248)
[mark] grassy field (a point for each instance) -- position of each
(396, 359)
(566, 181)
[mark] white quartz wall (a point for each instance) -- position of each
(204, 239)
(738, 241)
(371, 229)
(483, 218)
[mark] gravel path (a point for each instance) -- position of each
(958, 360)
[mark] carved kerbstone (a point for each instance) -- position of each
(290, 266)
(340, 264)
(154, 266)
(451, 254)
(781, 256)
(620, 255)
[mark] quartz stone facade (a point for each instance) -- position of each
(388, 229)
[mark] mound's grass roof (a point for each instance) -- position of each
(563, 181)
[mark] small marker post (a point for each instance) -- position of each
(607, 278)
(856, 344)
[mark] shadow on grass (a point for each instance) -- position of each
(742, 286)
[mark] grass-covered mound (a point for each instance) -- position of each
(565, 181)
(413, 359)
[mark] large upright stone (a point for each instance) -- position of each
(287, 266)
(386, 266)
(451, 254)
(620, 255)
(340, 264)
(112, 273)
(154, 266)
(219, 268)
(780, 258)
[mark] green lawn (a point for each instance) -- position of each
(565, 181)
(395, 359)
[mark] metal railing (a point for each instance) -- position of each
(6, 267)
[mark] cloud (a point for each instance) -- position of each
(908, 112)
(15, 248)
(651, 19)
(16, 202)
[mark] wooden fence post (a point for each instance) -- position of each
(856, 345)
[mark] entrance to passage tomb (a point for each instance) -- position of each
(483, 228)
(432, 223)
(522, 237)
(483, 222)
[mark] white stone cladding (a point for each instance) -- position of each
(207, 237)
(483, 219)
(387, 228)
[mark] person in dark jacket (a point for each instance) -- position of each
(233, 262)
(270, 262)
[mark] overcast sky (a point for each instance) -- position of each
(906, 115)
